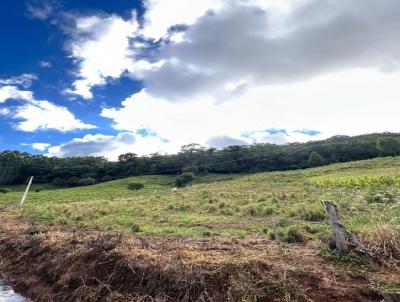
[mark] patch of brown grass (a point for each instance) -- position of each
(384, 241)
(63, 265)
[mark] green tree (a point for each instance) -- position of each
(315, 159)
(388, 146)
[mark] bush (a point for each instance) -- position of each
(86, 181)
(289, 235)
(314, 215)
(135, 186)
(107, 178)
(135, 228)
(5, 190)
(294, 235)
(251, 211)
(69, 182)
(184, 179)
(380, 195)
(190, 169)
(182, 208)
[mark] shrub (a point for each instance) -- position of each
(269, 211)
(107, 178)
(190, 169)
(135, 228)
(313, 215)
(251, 211)
(222, 205)
(211, 209)
(227, 212)
(380, 195)
(294, 235)
(86, 181)
(207, 234)
(289, 235)
(182, 208)
(5, 190)
(184, 179)
(135, 186)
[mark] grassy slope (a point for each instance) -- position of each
(238, 205)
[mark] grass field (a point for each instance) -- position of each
(367, 193)
(240, 260)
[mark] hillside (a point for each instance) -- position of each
(218, 210)
(16, 167)
(227, 205)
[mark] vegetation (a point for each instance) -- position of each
(234, 205)
(135, 186)
(389, 146)
(184, 179)
(4, 190)
(16, 167)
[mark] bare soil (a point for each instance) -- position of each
(54, 264)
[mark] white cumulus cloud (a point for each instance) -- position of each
(110, 146)
(43, 115)
(38, 146)
(100, 46)
(33, 114)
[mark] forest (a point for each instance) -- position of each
(16, 167)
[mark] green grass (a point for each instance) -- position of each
(234, 205)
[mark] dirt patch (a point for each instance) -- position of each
(65, 265)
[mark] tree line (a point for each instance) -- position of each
(16, 167)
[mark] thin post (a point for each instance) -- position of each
(276, 235)
(338, 230)
(21, 204)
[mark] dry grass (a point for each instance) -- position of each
(61, 265)
(384, 241)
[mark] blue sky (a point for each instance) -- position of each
(107, 77)
(32, 43)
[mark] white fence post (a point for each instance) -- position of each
(21, 204)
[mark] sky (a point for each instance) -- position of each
(103, 78)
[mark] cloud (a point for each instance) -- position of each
(45, 64)
(43, 115)
(109, 146)
(161, 15)
(106, 46)
(245, 71)
(25, 80)
(265, 137)
(333, 104)
(241, 46)
(40, 10)
(93, 145)
(100, 46)
(38, 146)
(12, 92)
(308, 132)
(36, 114)
(223, 141)
(4, 111)
(263, 44)
(208, 123)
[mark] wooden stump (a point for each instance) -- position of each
(391, 297)
(339, 232)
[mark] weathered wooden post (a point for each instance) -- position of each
(21, 204)
(338, 230)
